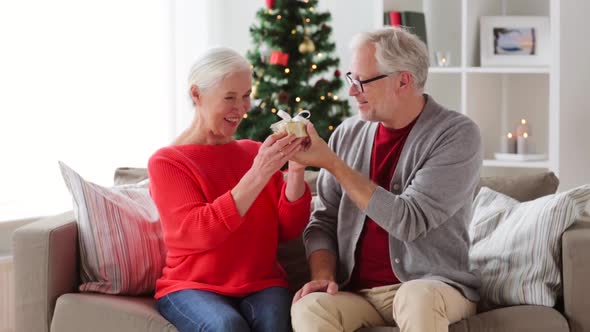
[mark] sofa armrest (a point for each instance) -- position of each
(576, 274)
(45, 267)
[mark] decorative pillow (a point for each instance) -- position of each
(517, 246)
(121, 246)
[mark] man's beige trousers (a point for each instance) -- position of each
(414, 306)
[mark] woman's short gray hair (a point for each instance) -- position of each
(214, 65)
(396, 50)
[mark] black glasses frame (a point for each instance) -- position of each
(360, 83)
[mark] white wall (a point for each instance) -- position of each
(348, 19)
(191, 37)
(574, 143)
(86, 82)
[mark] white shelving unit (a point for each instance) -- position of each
(494, 97)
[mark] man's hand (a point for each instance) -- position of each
(316, 152)
(295, 166)
(327, 286)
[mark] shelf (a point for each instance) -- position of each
(489, 70)
(5, 258)
(508, 70)
(448, 70)
(516, 164)
(495, 97)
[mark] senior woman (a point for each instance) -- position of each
(224, 208)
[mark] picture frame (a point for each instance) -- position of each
(507, 41)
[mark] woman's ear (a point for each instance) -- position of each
(195, 94)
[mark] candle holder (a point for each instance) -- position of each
(522, 144)
(508, 143)
(443, 58)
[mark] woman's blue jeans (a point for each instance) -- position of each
(194, 310)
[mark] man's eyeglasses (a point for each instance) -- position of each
(359, 84)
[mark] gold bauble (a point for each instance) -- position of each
(307, 46)
(254, 93)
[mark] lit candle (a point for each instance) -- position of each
(508, 143)
(521, 144)
(522, 128)
(443, 58)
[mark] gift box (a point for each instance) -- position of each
(279, 58)
(295, 125)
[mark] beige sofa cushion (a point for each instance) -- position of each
(291, 255)
(523, 187)
(130, 175)
(99, 313)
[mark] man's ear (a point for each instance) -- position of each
(405, 79)
(195, 94)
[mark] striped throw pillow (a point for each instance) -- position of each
(121, 246)
(517, 246)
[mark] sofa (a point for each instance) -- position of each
(46, 260)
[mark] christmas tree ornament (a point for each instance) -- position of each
(279, 58)
(337, 73)
(254, 93)
(259, 71)
(307, 46)
(270, 4)
(264, 52)
(283, 97)
(292, 125)
(320, 83)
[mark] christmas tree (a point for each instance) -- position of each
(293, 69)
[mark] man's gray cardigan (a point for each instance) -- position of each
(426, 210)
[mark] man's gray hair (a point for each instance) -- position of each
(396, 50)
(214, 65)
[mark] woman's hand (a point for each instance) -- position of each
(274, 153)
